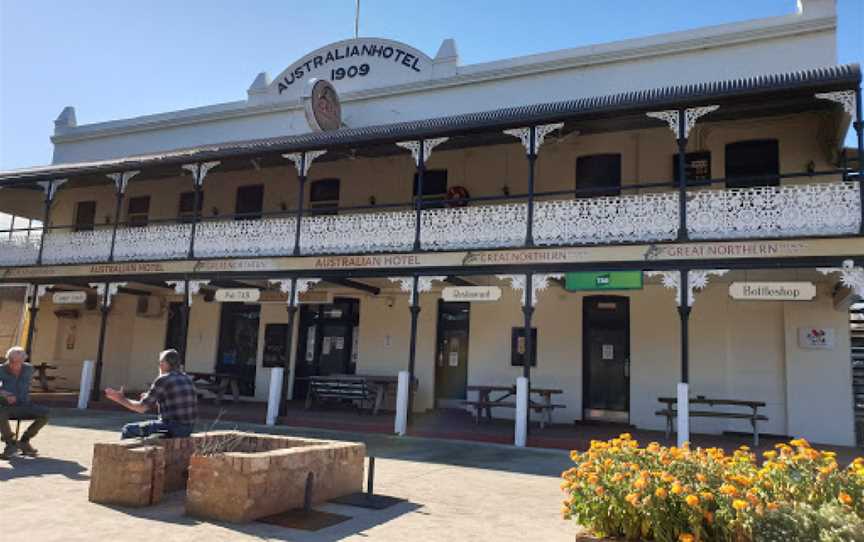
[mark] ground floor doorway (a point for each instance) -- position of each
(451, 356)
(606, 358)
(327, 341)
(238, 343)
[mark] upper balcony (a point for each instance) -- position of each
(831, 208)
(806, 192)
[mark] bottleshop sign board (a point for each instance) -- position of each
(353, 65)
(471, 293)
(237, 295)
(608, 280)
(772, 291)
(69, 298)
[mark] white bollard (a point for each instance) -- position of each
(401, 423)
(275, 396)
(683, 413)
(86, 383)
(521, 425)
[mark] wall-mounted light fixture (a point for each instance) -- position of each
(283, 206)
(215, 211)
(505, 190)
(372, 200)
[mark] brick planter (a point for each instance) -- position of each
(261, 475)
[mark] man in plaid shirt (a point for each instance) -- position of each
(173, 393)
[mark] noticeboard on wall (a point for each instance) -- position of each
(517, 347)
(275, 336)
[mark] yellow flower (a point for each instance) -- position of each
(729, 490)
(660, 492)
(686, 537)
(770, 454)
(799, 443)
(692, 500)
(677, 489)
(593, 479)
(707, 496)
(845, 498)
(739, 505)
(701, 477)
(640, 483)
(666, 477)
(625, 436)
(632, 498)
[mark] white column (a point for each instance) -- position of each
(401, 423)
(276, 374)
(86, 384)
(683, 413)
(521, 426)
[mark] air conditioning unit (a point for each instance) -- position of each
(150, 306)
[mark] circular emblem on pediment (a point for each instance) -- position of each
(321, 103)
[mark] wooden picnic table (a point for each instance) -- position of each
(43, 376)
(486, 402)
(670, 412)
(218, 383)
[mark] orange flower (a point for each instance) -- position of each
(686, 537)
(845, 498)
(729, 490)
(632, 498)
(660, 492)
(692, 500)
(599, 490)
(677, 489)
(739, 505)
(709, 517)
(772, 506)
(707, 496)
(701, 477)
(640, 483)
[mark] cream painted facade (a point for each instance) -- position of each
(739, 350)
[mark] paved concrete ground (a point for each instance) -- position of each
(454, 492)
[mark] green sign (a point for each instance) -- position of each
(607, 280)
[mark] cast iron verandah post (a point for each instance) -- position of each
(859, 132)
(289, 345)
(682, 175)
(50, 189)
(412, 349)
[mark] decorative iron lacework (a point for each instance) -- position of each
(540, 133)
(697, 279)
(645, 217)
(199, 171)
(691, 115)
(121, 180)
(846, 98)
(263, 237)
(50, 187)
(77, 247)
(539, 282)
(424, 284)
(850, 276)
(473, 227)
(359, 232)
(303, 165)
(19, 250)
(771, 211)
(153, 242)
(111, 290)
(428, 145)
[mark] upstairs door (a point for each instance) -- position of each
(451, 357)
(606, 358)
(250, 202)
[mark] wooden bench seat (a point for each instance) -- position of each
(671, 413)
(355, 390)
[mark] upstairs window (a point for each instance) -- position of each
(324, 197)
(753, 163)
(250, 202)
(186, 206)
(138, 211)
(85, 216)
(434, 187)
(598, 175)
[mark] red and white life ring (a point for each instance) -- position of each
(456, 196)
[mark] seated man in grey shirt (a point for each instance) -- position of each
(15, 377)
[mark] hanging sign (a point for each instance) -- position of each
(237, 295)
(69, 298)
(471, 293)
(606, 280)
(772, 291)
(322, 106)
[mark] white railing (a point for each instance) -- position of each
(77, 247)
(763, 212)
(153, 242)
(618, 219)
(20, 249)
(356, 233)
(774, 211)
(226, 238)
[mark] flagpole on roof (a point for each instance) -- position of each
(356, 19)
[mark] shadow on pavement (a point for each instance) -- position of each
(29, 467)
(172, 510)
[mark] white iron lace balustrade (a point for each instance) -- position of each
(357, 232)
(154, 242)
(77, 247)
(484, 226)
(770, 211)
(618, 219)
(262, 237)
(20, 249)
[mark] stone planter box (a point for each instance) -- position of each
(261, 475)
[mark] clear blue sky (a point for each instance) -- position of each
(115, 59)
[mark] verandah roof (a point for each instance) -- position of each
(840, 77)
